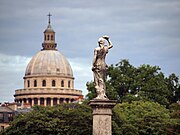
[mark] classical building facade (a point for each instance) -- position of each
(48, 78)
(6, 115)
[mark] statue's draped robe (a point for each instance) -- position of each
(100, 68)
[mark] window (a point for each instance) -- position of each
(48, 37)
(62, 83)
(69, 84)
(44, 83)
(1, 117)
(53, 83)
(44, 37)
(28, 83)
(51, 37)
(42, 101)
(35, 83)
(10, 116)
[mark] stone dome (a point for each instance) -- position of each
(49, 62)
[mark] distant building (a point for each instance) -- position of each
(8, 111)
(49, 77)
(6, 115)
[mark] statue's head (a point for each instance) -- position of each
(101, 41)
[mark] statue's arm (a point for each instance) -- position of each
(109, 41)
(94, 57)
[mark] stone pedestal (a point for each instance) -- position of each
(102, 112)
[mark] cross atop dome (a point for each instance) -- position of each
(49, 18)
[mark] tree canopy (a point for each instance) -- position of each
(142, 118)
(135, 118)
(65, 119)
(145, 82)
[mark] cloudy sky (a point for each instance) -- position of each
(142, 31)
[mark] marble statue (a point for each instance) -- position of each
(99, 66)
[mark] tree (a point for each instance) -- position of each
(141, 118)
(66, 119)
(121, 77)
(110, 91)
(140, 83)
(92, 91)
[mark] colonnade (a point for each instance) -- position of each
(44, 101)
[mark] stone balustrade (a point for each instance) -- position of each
(47, 91)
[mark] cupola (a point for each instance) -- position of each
(49, 37)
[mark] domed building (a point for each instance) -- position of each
(49, 77)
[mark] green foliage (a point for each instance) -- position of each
(66, 119)
(110, 91)
(175, 114)
(133, 118)
(130, 98)
(141, 118)
(91, 89)
(121, 77)
(127, 83)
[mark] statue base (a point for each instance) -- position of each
(102, 112)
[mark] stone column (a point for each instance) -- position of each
(27, 100)
(102, 112)
(45, 101)
(32, 101)
(58, 101)
(38, 101)
(22, 103)
(51, 101)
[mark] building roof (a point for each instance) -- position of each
(49, 29)
(49, 62)
(5, 109)
(24, 110)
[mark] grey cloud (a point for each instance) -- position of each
(12, 72)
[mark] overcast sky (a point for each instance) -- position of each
(142, 31)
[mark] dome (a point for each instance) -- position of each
(48, 77)
(49, 62)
